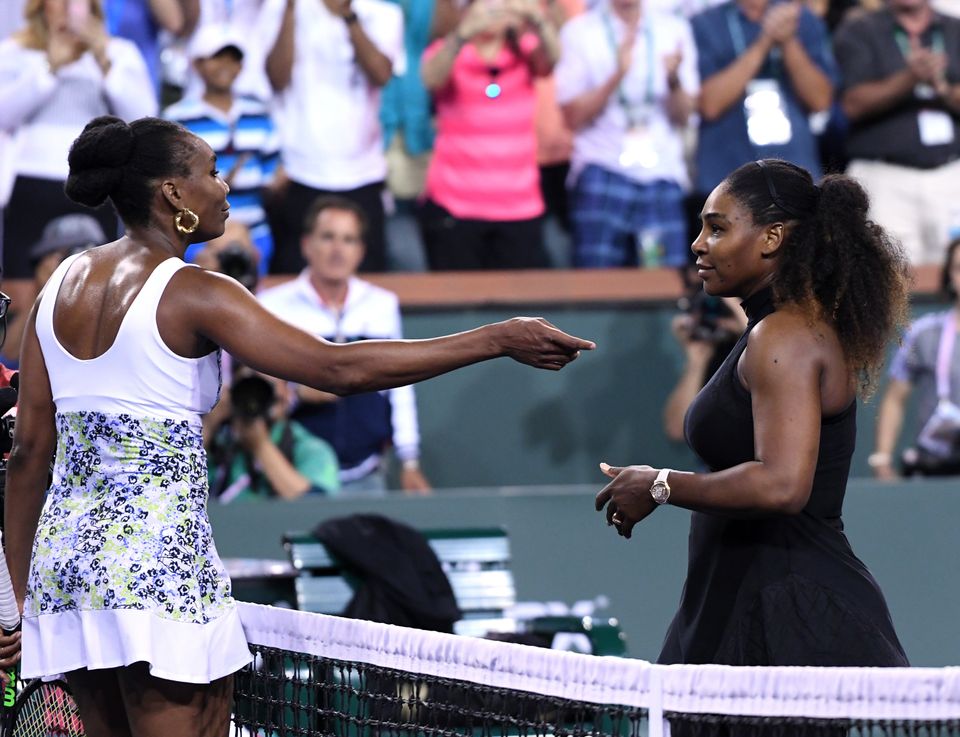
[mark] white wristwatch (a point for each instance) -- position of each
(660, 491)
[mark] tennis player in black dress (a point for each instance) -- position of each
(771, 577)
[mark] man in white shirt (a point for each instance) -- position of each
(327, 61)
(328, 300)
(626, 83)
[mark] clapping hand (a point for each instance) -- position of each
(535, 342)
(781, 21)
(927, 65)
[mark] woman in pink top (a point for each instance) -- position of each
(484, 207)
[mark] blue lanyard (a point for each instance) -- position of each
(740, 41)
(614, 47)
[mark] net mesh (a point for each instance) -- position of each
(318, 675)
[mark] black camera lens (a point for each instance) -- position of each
(237, 262)
(251, 397)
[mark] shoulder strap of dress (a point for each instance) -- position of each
(50, 291)
(156, 283)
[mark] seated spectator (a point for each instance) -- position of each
(328, 300)
(57, 73)
(239, 130)
(256, 451)
(62, 237)
(928, 360)
(327, 61)
(483, 206)
(765, 67)
(627, 84)
(901, 70)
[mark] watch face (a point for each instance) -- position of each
(660, 492)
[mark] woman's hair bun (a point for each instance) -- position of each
(98, 159)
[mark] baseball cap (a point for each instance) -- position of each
(68, 233)
(213, 38)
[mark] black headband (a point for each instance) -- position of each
(776, 198)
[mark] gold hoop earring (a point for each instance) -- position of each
(178, 221)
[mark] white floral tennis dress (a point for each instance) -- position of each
(124, 567)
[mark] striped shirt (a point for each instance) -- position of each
(484, 164)
(245, 140)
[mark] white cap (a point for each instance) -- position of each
(211, 39)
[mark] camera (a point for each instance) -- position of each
(237, 262)
(251, 397)
(706, 312)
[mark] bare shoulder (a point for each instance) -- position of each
(789, 343)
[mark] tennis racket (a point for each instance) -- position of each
(41, 709)
(45, 709)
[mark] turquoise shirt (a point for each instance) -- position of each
(312, 457)
(405, 102)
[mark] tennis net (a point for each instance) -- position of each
(319, 675)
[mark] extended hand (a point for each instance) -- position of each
(537, 343)
(627, 498)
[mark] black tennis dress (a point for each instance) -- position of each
(778, 589)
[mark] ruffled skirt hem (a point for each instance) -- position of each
(110, 638)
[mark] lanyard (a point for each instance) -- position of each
(937, 44)
(740, 42)
(945, 354)
(614, 47)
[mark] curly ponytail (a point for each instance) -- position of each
(832, 257)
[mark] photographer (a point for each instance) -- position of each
(928, 361)
(256, 452)
(706, 328)
(233, 254)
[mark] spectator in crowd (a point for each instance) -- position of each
(766, 66)
(238, 129)
(327, 61)
(627, 84)
(56, 73)
(144, 22)
(255, 451)
(240, 19)
(406, 117)
(483, 208)
(63, 236)
(328, 300)
(554, 147)
(929, 360)
(901, 71)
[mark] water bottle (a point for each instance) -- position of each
(650, 244)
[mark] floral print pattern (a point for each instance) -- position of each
(125, 523)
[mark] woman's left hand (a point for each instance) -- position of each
(627, 497)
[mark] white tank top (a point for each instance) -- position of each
(138, 375)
